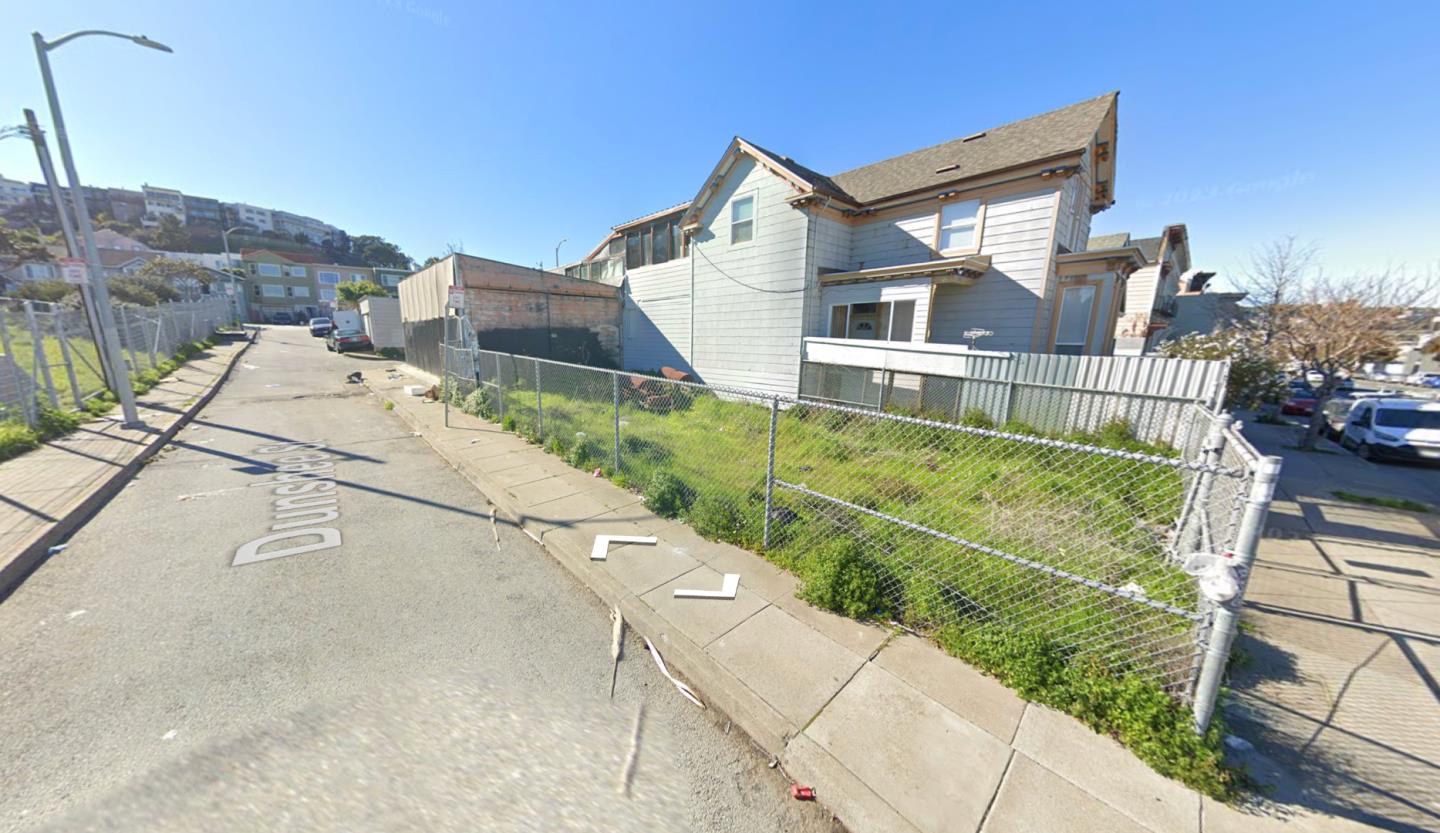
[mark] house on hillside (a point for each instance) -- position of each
(303, 285)
(979, 239)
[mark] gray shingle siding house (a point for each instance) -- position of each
(772, 263)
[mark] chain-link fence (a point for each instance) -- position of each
(1080, 541)
(48, 354)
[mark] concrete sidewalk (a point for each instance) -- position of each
(1344, 609)
(893, 734)
(49, 492)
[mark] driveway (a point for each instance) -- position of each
(1343, 650)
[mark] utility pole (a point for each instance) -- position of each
(105, 316)
(557, 251)
(87, 299)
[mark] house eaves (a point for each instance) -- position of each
(958, 270)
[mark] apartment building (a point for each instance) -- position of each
(304, 286)
(162, 202)
(202, 210)
(310, 228)
(13, 193)
(239, 213)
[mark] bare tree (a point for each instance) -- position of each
(1274, 283)
(1337, 324)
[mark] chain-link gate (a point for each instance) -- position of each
(1078, 540)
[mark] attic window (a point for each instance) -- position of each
(951, 167)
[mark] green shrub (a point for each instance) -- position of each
(389, 406)
(584, 454)
(556, 445)
(1155, 726)
(722, 518)
(836, 420)
(392, 353)
(666, 495)
(1016, 426)
(51, 423)
(837, 577)
(508, 423)
(477, 404)
(976, 418)
(16, 438)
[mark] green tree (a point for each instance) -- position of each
(351, 293)
(377, 251)
(23, 244)
(187, 278)
(52, 291)
(142, 290)
(169, 235)
(1255, 375)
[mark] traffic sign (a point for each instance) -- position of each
(457, 298)
(74, 271)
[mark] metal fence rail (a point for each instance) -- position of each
(49, 356)
(987, 530)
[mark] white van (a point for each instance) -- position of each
(1401, 429)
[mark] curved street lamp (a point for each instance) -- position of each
(111, 351)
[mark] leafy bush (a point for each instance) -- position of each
(666, 495)
(976, 418)
(1255, 376)
(508, 423)
(837, 577)
(50, 423)
(584, 454)
(477, 404)
(1157, 728)
(392, 353)
(389, 406)
(556, 445)
(16, 438)
(721, 518)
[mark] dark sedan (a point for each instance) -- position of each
(343, 341)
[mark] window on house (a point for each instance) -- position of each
(329, 278)
(356, 276)
(1072, 330)
(300, 291)
(268, 270)
(327, 294)
(742, 220)
(272, 290)
(958, 221)
(295, 271)
(39, 271)
(634, 251)
(660, 243)
(878, 321)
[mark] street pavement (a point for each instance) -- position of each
(416, 676)
(1340, 691)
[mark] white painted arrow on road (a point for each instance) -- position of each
(601, 548)
(726, 591)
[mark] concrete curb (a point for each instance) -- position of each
(863, 810)
(34, 553)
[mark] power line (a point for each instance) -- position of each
(728, 277)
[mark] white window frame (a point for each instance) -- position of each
(1090, 321)
(356, 277)
(327, 278)
(264, 270)
(327, 294)
(272, 290)
(889, 318)
(295, 271)
(974, 224)
(300, 292)
(735, 203)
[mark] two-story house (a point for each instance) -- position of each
(1151, 300)
(980, 239)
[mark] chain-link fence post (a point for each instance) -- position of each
(127, 338)
(59, 319)
(27, 402)
(615, 379)
(770, 471)
(42, 359)
(1194, 530)
(539, 408)
(152, 344)
(1266, 473)
(445, 383)
(499, 389)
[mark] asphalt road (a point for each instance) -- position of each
(413, 677)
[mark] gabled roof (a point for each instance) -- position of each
(1037, 138)
(1108, 241)
(1149, 247)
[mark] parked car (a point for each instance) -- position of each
(1424, 379)
(281, 318)
(343, 341)
(1301, 401)
(320, 326)
(1401, 429)
(1337, 413)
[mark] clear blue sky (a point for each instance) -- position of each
(507, 127)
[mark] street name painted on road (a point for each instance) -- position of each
(304, 489)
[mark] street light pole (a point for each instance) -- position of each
(230, 264)
(557, 251)
(105, 316)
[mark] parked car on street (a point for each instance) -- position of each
(320, 326)
(343, 341)
(1301, 401)
(1420, 376)
(1400, 429)
(281, 318)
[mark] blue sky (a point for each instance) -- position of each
(507, 127)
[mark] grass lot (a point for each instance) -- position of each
(1110, 662)
(82, 350)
